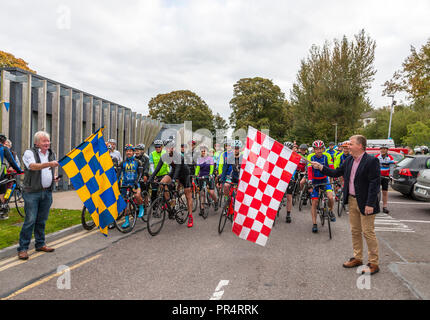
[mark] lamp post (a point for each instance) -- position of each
(335, 134)
(393, 103)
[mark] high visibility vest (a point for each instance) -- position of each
(156, 159)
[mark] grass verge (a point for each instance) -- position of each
(59, 219)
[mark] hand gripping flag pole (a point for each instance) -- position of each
(266, 170)
(92, 174)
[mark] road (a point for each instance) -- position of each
(200, 264)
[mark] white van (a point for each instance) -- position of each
(376, 143)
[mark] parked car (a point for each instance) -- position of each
(397, 156)
(422, 187)
(406, 171)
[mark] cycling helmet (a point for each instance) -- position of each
(425, 149)
(237, 144)
(303, 146)
(332, 143)
(158, 143)
(112, 141)
(203, 146)
(169, 143)
(129, 147)
(383, 146)
(289, 144)
(140, 146)
(318, 144)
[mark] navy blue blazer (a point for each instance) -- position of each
(367, 181)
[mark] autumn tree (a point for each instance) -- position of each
(8, 60)
(414, 77)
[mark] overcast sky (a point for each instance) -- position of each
(130, 51)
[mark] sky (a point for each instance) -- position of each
(130, 51)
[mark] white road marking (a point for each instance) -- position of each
(217, 295)
(410, 203)
(415, 221)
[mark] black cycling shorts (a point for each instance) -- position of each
(185, 180)
(290, 187)
(209, 182)
(384, 184)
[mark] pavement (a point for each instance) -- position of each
(200, 264)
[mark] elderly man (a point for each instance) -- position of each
(362, 180)
(39, 164)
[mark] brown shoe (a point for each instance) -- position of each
(23, 255)
(45, 249)
(371, 268)
(352, 263)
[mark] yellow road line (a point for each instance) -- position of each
(38, 283)
(51, 244)
(16, 263)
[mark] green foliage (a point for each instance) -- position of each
(180, 106)
(331, 87)
(259, 103)
(418, 134)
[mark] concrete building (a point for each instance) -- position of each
(30, 102)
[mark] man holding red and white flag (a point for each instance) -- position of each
(266, 170)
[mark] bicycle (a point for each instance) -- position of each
(323, 207)
(339, 197)
(14, 191)
(208, 201)
(130, 211)
(304, 196)
(228, 209)
(176, 207)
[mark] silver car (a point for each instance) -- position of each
(422, 187)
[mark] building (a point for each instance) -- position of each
(31, 102)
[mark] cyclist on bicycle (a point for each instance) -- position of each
(128, 175)
(387, 162)
(154, 159)
(144, 160)
(315, 177)
(205, 168)
(331, 150)
(231, 168)
(179, 171)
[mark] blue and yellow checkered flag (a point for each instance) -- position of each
(91, 171)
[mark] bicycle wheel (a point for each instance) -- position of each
(19, 201)
(132, 211)
(181, 209)
(223, 217)
(86, 220)
(156, 217)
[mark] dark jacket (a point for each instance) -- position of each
(33, 178)
(367, 181)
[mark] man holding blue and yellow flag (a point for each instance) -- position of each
(91, 171)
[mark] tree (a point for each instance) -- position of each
(331, 87)
(259, 103)
(8, 60)
(220, 124)
(180, 106)
(414, 77)
(418, 134)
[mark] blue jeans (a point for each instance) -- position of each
(36, 206)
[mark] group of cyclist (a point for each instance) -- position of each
(165, 165)
(220, 167)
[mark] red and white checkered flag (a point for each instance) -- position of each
(266, 170)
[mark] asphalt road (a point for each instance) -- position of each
(200, 264)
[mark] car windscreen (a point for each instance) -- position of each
(397, 156)
(406, 162)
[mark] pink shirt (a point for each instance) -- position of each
(354, 168)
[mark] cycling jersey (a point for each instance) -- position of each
(325, 160)
(232, 168)
(154, 159)
(340, 158)
(301, 167)
(386, 163)
(205, 166)
(332, 153)
(179, 170)
(129, 172)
